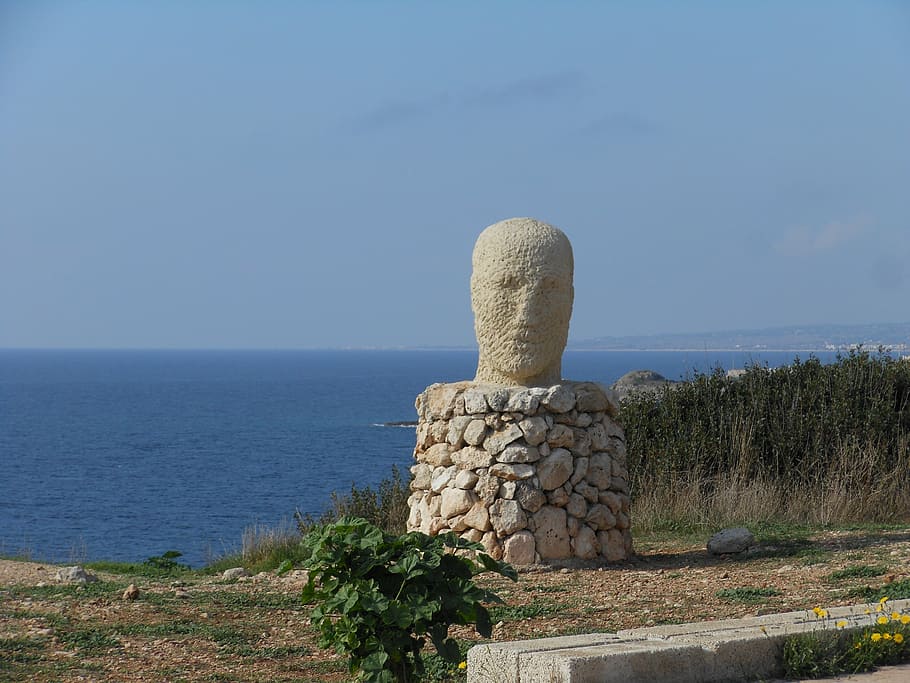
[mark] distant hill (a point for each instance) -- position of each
(895, 336)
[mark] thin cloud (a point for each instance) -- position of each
(405, 111)
(546, 87)
(802, 240)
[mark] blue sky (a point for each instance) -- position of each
(314, 174)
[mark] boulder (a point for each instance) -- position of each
(555, 470)
(234, 573)
(551, 534)
(75, 575)
(519, 548)
(731, 541)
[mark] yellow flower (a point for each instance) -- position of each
(883, 600)
(841, 624)
(823, 613)
(905, 619)
(895, 616)
(886, 636)
(898, 638)
(879, 608)
(876, 637)
(462, 665)
(868, 611)
(882, 620)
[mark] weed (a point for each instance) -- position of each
(87, 639)
(530, 611)
(747, 595)
(861, 571)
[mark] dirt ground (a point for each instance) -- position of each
(202, 628)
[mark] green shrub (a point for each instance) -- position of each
(379, 596)
(386, 506)
(818, 442)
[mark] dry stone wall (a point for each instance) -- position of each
(535, 474)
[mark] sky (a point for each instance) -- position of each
(314, 174)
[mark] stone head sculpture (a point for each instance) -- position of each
(521, 294)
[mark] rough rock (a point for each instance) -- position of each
(507, 517)
(551, 535)
(456, 502)
(496, 442)
(555, 470)
(512, 472)
(731, 541)
(234, 573)
(530, 497)
(584, 543)
(75, 574)
(534, 430)
(131, 592)
(517, 452)
(472, 458)
(519, 548)
(559, 399)
(475, 432)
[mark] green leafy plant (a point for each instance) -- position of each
(379, 596)
(166, 563)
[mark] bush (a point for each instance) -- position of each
(838, 435)
(378, 596)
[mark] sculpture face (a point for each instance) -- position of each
(521, 294)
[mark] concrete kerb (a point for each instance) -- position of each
(746, 649)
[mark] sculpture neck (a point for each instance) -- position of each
(488, 374)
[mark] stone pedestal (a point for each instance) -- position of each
(534, 474)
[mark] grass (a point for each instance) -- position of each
(506, 613)
(747, 595)
(861, 571)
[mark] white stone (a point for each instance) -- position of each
(534, 430)
(525, 401)
(518, 453)
(465, 479)
(456, 502)
(507, 517)
(442, 477)
(75, 574)
(519, 548)
(496, 442)
(584, 544)
(439, 401)
(491, 545)
(731, 541)
(438, 454)
(422, 474)
(521, 295)
(599, 517)
(472, 458)
(600, 466)
(475, 402)
(475, 432)
(457, 425)
(560, 436)
(581, 445)
(507, 490)
(478, 517)
(512, 472)
(559, 399)
(555, 470)
(551, 535)
(234, 573)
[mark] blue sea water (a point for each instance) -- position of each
(122, 455)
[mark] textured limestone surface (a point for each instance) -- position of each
(521, 295)
(536, 474)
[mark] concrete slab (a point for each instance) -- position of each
(745, 649)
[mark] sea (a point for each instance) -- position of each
(123, 455)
